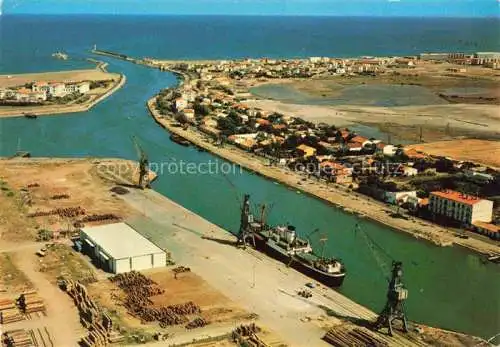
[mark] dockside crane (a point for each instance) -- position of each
(143, 165)
(394, 309)
(245, 232)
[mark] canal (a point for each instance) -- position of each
(448, 287)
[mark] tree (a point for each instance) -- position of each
(202, 109)
(292, 141)
(227, 126)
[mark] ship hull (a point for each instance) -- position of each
(329, 280)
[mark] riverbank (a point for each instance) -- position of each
(333, 194)
(95, 96)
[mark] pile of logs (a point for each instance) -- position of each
(6, 304)
(99, 218)
(180, 269)
(9, 312)
(10, 316)
(31, 302)
(60, 197)
(247, 330)
(98, 323)
(196, 323)
(246, 335)
(67, 212)
(139, 289)
(17, 338)
(347, 337)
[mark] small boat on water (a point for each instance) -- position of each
(60, 55)
(179, 140)
(30, 115)
(494, 259)
(22, 154)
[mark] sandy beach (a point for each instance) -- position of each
(336, 195)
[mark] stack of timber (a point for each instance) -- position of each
(9, 312)
(17, 338)
(246, 335)
(11, 315)
(31, 302)
(342, 336)
(98, 323)
(139, 289)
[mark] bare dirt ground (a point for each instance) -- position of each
(478, 151)
(216, 308)
(48, 184)
(27, 186)
(12, 280)
(56, 76)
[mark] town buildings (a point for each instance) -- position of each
(41, 91)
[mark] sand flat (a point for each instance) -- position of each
(478, 151)
(14, 80)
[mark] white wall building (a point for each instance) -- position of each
(118, 248)
(82, 87)
(460, 207)
(396, 198)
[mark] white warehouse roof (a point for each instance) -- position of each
(121, 241)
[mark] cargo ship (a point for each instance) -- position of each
(282, 243)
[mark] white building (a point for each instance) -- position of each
(27, 95)
(409, 171)
(82, 87)
(460, 207)
(118, 248)
(180, 104)
(53, 89)
(397, 198)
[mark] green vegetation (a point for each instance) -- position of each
(100, 84)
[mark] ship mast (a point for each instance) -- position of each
(323, 243)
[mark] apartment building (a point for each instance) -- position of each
(460, 207)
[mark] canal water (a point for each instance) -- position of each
(449, 287)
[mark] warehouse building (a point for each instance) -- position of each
(118, 248)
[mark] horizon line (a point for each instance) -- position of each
(245, 15)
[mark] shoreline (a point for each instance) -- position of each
(59, 109)
(356, 203)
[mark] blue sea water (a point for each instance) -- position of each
(449, 287)
(28, 37)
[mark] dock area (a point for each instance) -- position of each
(258, 283)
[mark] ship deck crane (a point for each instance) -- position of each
(143, 165)
(397, 294)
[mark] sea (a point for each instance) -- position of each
(448, 287)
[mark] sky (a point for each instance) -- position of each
(418, 8)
